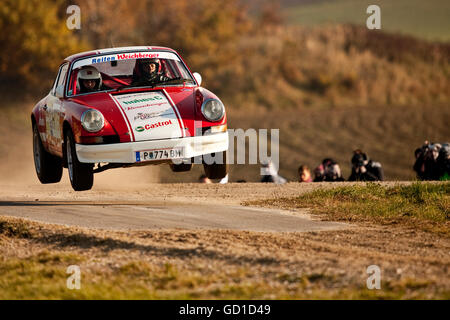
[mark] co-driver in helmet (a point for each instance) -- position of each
(89, 80)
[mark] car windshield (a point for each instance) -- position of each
(127, 70)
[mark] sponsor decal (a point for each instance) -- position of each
(146, 116)
(155, 98)
(145, 106)
(124, 56)
(146, 111)
(103, 59)
(139, 55)
(153, 125)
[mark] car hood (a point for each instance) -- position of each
(140, 115)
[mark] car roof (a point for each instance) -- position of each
(115, 50)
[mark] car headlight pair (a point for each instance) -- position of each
(213, 109)
(92, 120)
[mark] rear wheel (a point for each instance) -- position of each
(181, 167)
(81, 175)
(217, 170)
(48, 167)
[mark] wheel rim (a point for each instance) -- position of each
(36, 152)
(69, 159)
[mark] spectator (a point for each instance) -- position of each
(443, 162)
(224, 180)
(270, 173)
(364, 169)
(328, 170)
(304, 174)
(204, 179)
(432, 161)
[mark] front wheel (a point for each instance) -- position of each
(81, 175)
(219, 169)
(48, 167)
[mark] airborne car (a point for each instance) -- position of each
(122, 107)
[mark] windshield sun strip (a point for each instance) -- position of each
(69, 75)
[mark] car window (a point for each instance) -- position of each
(52, 91)
(62, 74)
(60, 77)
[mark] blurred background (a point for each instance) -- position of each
(310, 68)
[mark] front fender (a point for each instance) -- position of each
(72, 119)
(201, 95)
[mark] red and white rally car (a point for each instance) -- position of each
(123, 107)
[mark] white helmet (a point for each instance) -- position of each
(89, 73)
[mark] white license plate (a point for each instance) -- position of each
(159, 154)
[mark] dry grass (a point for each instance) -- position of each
(334, 66)
(181, 264)
(422, 206)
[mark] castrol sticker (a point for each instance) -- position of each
(149, 115)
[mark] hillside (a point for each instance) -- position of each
(425, 19)
(333, 66)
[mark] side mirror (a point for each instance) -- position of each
(59, 92)
(198, 78)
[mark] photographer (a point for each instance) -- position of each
(364, 169)
(443, 162)
(329, 170)
(432, 161)
(270, 173)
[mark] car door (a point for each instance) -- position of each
(54, 105)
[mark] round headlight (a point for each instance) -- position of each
(92, 120)
(213, 109)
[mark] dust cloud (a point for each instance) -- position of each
(17, 164)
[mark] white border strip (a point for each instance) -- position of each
(174, 106)
(124, 117)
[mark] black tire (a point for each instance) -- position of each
(48, 167)
(217, 170)
(182, 167)
(81, 175)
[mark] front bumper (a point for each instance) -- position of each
(126, 152)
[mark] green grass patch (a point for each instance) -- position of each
(423, 205)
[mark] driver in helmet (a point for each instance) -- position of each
(148, 71)
(89, 80)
